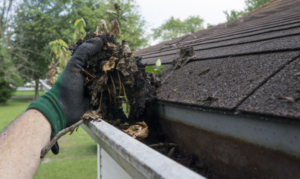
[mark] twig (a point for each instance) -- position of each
(98, 110)
(168, 76)
(87, 73)
(120, 84)
(171, 152)
(163, 145)
(58, 135)
(215, 93)
(109, 95)
(114, 87)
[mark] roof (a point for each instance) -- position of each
(252, 64)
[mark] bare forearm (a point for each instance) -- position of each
(21, 144)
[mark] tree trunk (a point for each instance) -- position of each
(36, 96)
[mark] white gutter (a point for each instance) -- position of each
(121, 156)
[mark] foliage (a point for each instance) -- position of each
(5, 91)
(210, 25)
(125, 105)
(174, 28)
(233, 14)
(132, 23)
(251, 5)
(156, 70)
(39, 22)
(12, 55)
(60, 47)
(79, 32)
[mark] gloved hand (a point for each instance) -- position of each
(65, 103)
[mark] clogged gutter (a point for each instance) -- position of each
(120, 88)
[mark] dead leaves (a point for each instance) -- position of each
(103, 25)
(110, 64)
(185, 53)
(101, 83)
(91, 115)
(115, 28)
(127, 66)
(139, 131)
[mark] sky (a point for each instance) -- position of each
(156, 12)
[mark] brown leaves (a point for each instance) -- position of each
(127, 66)
(139, 131)
(101, 82)
(110, 64)
(112, 46)
(103, 25)
(115, 28)
(91, 115)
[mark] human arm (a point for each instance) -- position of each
(60, 107)
(21, 144)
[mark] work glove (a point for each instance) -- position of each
(66, 102)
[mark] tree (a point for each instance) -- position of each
(251, 5)
(39, 22)
(42, 21)
(12, 55)
(174, 28)
(131, 22)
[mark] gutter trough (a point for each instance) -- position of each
(234, 146)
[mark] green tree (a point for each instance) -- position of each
(43, 21)
(131, 22)
(12, 56)
(251, 5)
(39, 22)
(174, 28)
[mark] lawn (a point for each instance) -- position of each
(78, 152)
(26, 93)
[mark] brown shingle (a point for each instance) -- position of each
(270, 98)
(232, 79)
(246, 58)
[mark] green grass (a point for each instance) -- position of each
(11, 110)
(26, 93)
(78, 152)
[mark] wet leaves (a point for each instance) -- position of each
(185, 54)
(110, 64)
(91, 115)
(139, 131)
(117, 83)
(127, 66)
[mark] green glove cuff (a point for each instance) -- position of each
(48, 104)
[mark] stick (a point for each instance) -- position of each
(120, 85)
(98, 110)
(163, 145)
(171, 152)
(115, 91)
(109, 95)
(168, 76)
(58, 135)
